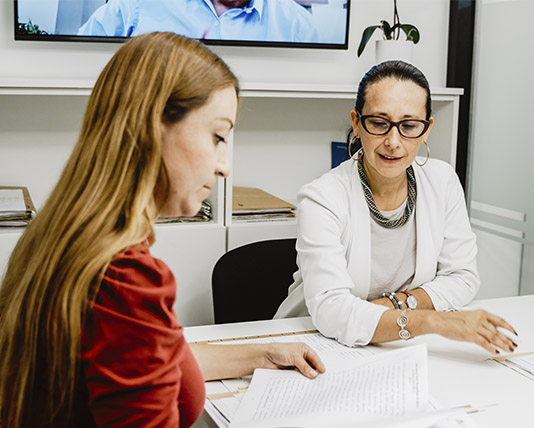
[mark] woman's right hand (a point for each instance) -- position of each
(293, 355)
(477, 326)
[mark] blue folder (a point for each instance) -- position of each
(339, 153)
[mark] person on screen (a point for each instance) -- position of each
(254, 20)
(88, 333)
(385, 247)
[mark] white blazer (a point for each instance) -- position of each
(334, 251)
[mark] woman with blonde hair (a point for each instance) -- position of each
(87, 330)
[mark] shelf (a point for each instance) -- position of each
(297, 91)
(321, 91)
(190, 225)
(21, 86)
(273, 222)
(18, 86)
(163, 226)
(12, 230)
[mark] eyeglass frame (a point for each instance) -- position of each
(392, 124)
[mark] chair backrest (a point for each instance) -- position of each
(249, 282)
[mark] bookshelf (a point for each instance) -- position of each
(281, 141)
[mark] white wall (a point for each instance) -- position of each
(49, 136)
(502, 146)
(34, 145)
(85, 60)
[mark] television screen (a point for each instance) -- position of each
(291, 23)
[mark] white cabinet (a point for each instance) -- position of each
(281, 141)
(191, 251)
(8, 240)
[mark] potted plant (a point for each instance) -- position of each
(29, 28)
(390, 32)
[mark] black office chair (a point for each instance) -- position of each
(248, 283)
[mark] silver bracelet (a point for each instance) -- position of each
(397, 303)
(402, 321)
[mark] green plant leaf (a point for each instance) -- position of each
(367, 33)
(29, 28)
(387, 29)
(412, 33)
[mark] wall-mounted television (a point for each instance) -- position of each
(276, 23)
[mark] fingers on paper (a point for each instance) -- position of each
(308, 362)
(314, 361)
(491, 336)
(505, 336)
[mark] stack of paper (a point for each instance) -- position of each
(363, 387)
(380, 387)
(16, 206)
(250, 203)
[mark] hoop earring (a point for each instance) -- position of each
(359, 152)
(427, 155)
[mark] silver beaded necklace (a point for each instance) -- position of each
(375, 212)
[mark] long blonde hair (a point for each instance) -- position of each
(105, 201)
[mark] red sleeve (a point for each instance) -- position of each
(139, 370)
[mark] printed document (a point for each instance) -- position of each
(331, 352)
(385, 386)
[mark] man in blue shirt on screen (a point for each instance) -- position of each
(257, 20)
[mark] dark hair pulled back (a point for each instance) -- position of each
(398, 70)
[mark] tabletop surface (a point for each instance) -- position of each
(459, 373)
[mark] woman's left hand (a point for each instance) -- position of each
(293, 355)
(476, 326)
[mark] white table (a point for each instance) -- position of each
(459, 372)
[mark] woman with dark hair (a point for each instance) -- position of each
(88, 333)
(385, 247)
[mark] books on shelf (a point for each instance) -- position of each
(16, 206)
(253, 204)
(204, 215)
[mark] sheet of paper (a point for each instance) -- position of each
(226, 404)
(521, 363)
(390, 384)
(524, 362)
(216, 417)
(331, 352)
(458, 420)
(449, 418)
(437, 417)
(12, 200)
(237, 384)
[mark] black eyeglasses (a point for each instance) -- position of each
(408, 128)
